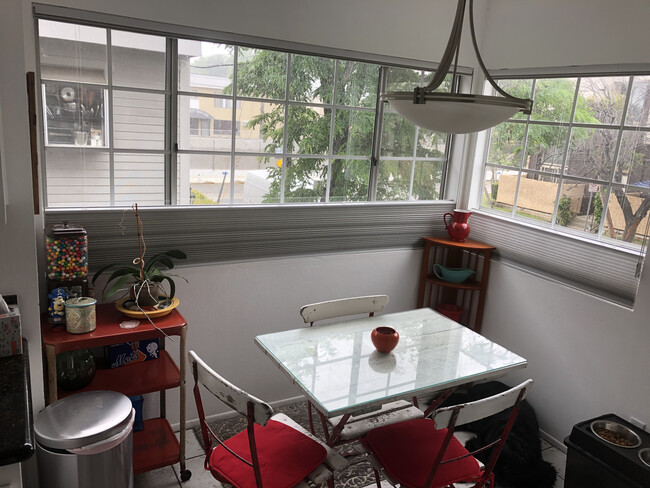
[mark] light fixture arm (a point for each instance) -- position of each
(447, 58)
(453, 46)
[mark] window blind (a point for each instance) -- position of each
(605, 271)
(210, 234)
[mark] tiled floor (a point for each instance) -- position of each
(169, 476)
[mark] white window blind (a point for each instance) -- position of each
(604, 271)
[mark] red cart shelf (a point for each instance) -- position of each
(156, 446)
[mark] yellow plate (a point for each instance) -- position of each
(128, 308)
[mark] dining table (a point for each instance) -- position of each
(337, 368)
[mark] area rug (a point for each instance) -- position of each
(356, 476)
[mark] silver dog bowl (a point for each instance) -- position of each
(644, 455)
(616, 431)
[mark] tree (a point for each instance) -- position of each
(263, 74)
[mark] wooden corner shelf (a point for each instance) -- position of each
(469, 295)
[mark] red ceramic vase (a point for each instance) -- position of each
(384, 339)
(458, 228)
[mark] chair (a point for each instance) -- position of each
(356, 427)
(272, 452)
(423, 454)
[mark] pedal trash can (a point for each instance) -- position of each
(86, 440)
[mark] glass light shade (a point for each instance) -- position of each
(453, 113)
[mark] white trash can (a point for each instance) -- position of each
(86, 440)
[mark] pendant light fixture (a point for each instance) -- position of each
(456, 113)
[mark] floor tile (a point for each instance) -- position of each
(545, 444)
(192, 446)
(557, 458)
(158, 478)
(200, 477)
(559, 483)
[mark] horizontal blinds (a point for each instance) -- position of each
(210, 234)
(592, 267)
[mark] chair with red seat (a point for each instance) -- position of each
(272, 452)
(424, 453)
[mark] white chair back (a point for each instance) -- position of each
(480, 409)
(234, 397)
(345, 306)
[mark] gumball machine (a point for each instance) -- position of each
(66, 246)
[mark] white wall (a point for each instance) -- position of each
(534, 33)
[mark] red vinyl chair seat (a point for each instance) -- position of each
(286, 457)
(407, 452)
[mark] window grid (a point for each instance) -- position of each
(172, 148)
(563, 176)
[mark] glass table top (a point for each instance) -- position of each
(337, 367)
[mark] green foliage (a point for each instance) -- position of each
(263, 74)
(199, 198)
(155, 270)
(598, 210)
(564, 215)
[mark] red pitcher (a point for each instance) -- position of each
(458, 228)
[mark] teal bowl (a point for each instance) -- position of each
(452, 275)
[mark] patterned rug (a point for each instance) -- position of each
(356, 476)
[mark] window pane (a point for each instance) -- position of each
(75, 114)
(195, 119)
(394, 180)
(601, 100)
(257, 180)
(545, 148)
(209, 180)
(311, 79)
(261, 127)
(139, 178)
(356, 84)
(506, 144)
(72, 52)
(305, 180)
(638, 110)
(77, 177)
(496, 196)
(519, 89)
(205, 67)
(353, 132)
(580, 207)
(592, 153)
(430, 144)
(631, 225)
(138, 60)
(308, 130)
(633, 166)
(261, 74)
(405, 79)
(398, 136)
(139, 120)
(553, 99)
(349, 180)
(536, 196)
(426, 180)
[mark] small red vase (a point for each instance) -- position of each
(458, 228)
(384, 339)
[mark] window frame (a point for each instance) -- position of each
(550, 251)
(174, 33)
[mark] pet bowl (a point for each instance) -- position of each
(615, 433)
(644, 456)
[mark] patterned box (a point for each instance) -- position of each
(132, 352)
(11, 338)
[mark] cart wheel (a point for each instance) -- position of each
(186, 475)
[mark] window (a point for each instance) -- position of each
(579, 165)
(250, 126)
(579, 162)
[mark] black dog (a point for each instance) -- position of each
(520, 464)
